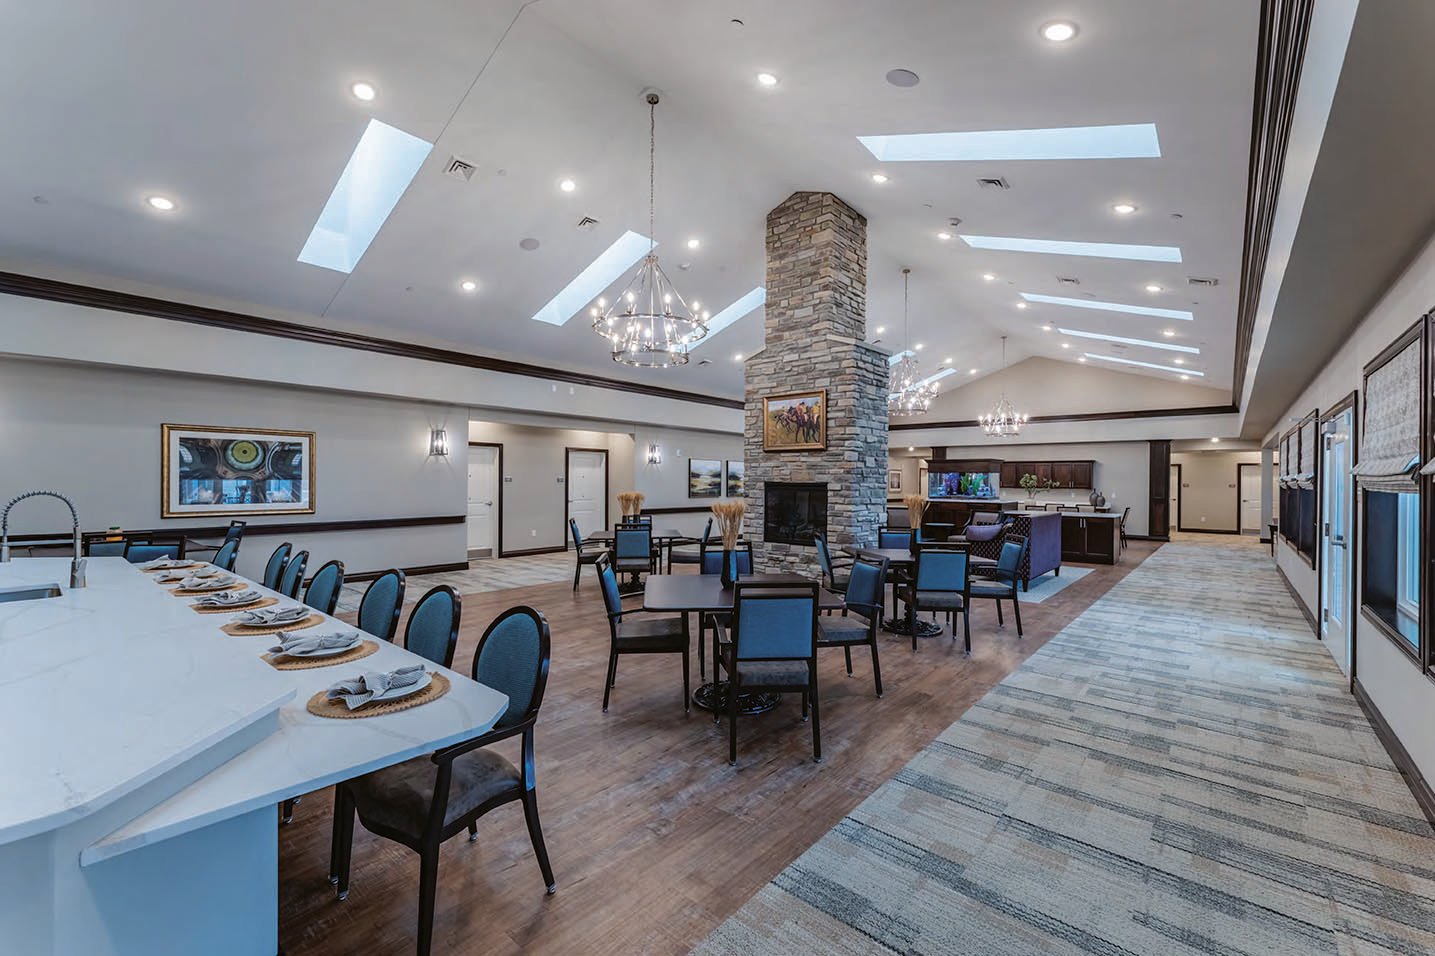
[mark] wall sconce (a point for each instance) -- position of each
(438, 443)
(655, 454)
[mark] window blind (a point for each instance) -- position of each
(1305, 469)
(1390, 438)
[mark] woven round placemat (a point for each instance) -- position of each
(262, 602)
(185, 592)
(320, 706)
(235, 629)
(281, 663)
(179, 567)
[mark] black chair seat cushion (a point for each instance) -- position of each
(773, 673)
(632, 564)
(839, 583)
(990, 589)
(842, 630)
(683, 556)
(658, 633)
(399, 797)
(932, 600)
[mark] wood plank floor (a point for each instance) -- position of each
(654, 838)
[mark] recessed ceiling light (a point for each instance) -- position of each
(1179, 361)
(1100, 250)
(363, 91)
(910, 448)
(989, 277)
(1082, 359)
(1127, 361)
(737, 356)
(767, 79)
(971, 371)
(1110, 306)
(880, 329)
(1066, 345)
(1131, 141)
(1167, 346)
(694, 243)
(1046, 328)
(947, 360)
(919, 346)
(879, 178)
(1169, 333)
(1185, 378)
(1021, 305)
(468, 285)
(944, 236)
(1058, 31)
(1215, 441)
(567, 185)
(903, 78)
(1153, 288)
(162, 203)
(1123, 208)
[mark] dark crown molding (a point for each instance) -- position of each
(33, 287)
(1081, 417)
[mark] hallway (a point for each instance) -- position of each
(1181, 770)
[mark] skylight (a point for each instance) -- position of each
(1060, 247)
(938, 376)
(1134, 141)
(602, 272)
(1166, 346)
(896, 357)
(1110, 306)
(379, 170)
(743, 306)
(1180, 370)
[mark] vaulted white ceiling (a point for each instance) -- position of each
(242, 114)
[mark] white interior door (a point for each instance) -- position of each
(1250, 489)
(1336, 505)
(587, 483)
(1173, 504)
(483, 481)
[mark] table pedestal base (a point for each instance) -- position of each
(713, 696)
(633, 585)
(898, 625)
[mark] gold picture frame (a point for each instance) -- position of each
(795, 421)
(216, 470)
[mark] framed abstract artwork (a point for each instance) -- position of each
(704, 478)
(795, 422)
(213, 470)
(894, 481)
(733, 481)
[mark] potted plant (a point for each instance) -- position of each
(729, 521)
(1032, 485)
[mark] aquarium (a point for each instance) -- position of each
(963, 484)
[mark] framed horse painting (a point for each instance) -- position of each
(795, 422)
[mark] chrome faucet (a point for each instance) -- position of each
(77, 563)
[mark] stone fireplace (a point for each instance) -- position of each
(815, 332)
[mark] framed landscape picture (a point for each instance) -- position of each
(894, 482)
(212, 470)
(734, 486)
(704, 478)
(795, 422)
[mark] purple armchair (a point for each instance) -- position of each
(1043, 537)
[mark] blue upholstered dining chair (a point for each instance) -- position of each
(710, 561)
(830, 569)
(898, 539)
(586, 552)
(382, 602)
(639, 632)
(322, 594)
(106, 549)
(940, 582)
(999, 583)
(773, 647)
(140, 553)
(633, 549)
(432, 630)
(227, 554)
(684, 553)
(427, 800)
(859, 624)
(274, 568)
(293, 575)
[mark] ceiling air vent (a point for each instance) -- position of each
(705, 361)
(1067, 280)
(996, 182)
(1203, 281)
(459, 168)
(954, 222)
(587, 224)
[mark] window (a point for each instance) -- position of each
(1407, 570)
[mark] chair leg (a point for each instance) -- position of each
(876, 667)
(535, 833)
(702, 647)
(967, 629)
(428, 894)
(577, 572)
(334, 838)
(286, 810)
(1000, 622)
(732, 720)
(344, 825)
(912, 623)
(847, 653)
(687, 690)
(1016, 612)
(804, 705)
(816, 723)
(612, 676)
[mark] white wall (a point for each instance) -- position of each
(1403, 695)
(1209, 488)
(666, 484)
(1042, 386)
(94, 433)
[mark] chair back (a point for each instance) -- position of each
(774, 621)
(140, 553)
(710, 561)
(608, 582)
(1068, 508)
(383, 600)
(322, 594)
(943, 568)
(274, 569)
(864, 587)
(235, 532)
(636, 520)
(707, 534)
(632, 542)
(512, 658)
(577, 535)
(824, 557)
(105, 549)
(894, 538)
(293, 575)
(1009, 558)
(1124, 515)
(432, 631)
(986, 517)
(227, 554)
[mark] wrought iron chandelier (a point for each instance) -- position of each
(1003, 421)
(907, 392)
(649, 324)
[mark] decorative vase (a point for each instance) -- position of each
(729, 567)
(1100, 501)
(1093, 496)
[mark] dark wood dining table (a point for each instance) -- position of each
(665, 538)
(705, 594)
(903, 558)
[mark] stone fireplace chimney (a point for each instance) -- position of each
(816, 326)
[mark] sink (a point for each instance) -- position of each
(32, 593)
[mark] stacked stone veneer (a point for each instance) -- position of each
(816, 324)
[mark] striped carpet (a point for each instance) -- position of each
(1181, 770)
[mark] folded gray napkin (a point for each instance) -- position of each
(203, 583)
(181, 574)
(300, 643)
(369, 686)
(272, 616)
(229, 598)
(165, 563)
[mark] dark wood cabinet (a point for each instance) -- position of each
(1082, 474)
(1090, 539)
(1063, 474)
(1011, 474)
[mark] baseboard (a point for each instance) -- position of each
(1295, 596)
(1419, 788)
(420, 569)
(1206, 531)
(525, 552)
(1148, 537)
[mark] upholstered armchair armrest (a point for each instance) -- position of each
(447, 754)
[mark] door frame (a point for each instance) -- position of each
(1351, 403)
(607, 466)
(1175, 520)
(498, 551)
(1239, 466)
